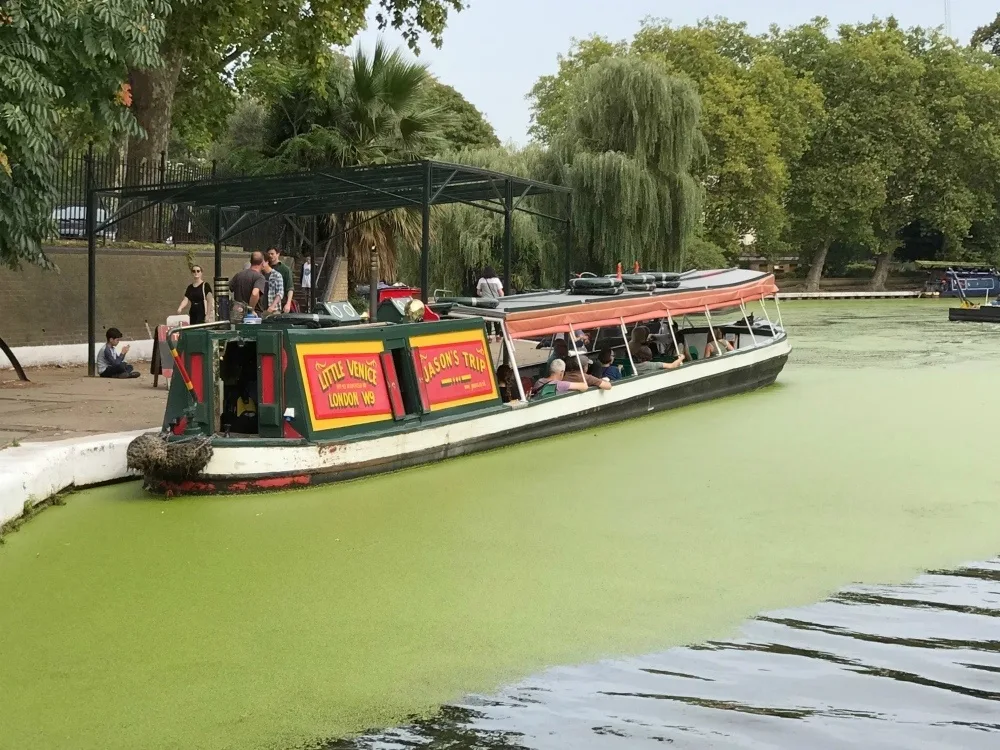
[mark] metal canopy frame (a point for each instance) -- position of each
(381, 187)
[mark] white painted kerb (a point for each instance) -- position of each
(36, 471)
(70, 354)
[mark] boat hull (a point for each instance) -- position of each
(245, 469)
(983, 314)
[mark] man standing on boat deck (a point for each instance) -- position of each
(275, 289)
(248, 286)
(274, 259)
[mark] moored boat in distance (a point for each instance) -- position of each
(301, 399)
(970, 312)
(948, 279)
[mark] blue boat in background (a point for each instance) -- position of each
(953, 280)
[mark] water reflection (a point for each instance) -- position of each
(906, 666)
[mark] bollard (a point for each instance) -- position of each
(222, 298)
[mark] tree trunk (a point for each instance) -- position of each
(881, 271)
(816, 269)
(13, 360)
(152, 104)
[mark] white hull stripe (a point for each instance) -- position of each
(263, 461)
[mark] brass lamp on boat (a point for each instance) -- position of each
(414, 310)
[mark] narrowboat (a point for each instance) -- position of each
(970, 312)
(297, 400)
(958, 280)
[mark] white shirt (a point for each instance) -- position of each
(489, 287)
(307, 275)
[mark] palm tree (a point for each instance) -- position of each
(371, 109)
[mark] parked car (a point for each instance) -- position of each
(71, 222)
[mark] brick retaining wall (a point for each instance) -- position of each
(134, 287)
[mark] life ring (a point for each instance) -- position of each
(608, 291)
(594, 282)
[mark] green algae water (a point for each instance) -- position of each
(280, 621)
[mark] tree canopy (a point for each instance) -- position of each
(372, 109)
(464, 126)
(864, 136)
(629, 150)
(60, 59)
(757, 118)
(204, 40)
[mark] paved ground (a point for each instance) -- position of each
(62, 402)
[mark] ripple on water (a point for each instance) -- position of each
(907, 666)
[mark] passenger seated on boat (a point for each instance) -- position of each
(560, 350)
(507, 385)
(718, 347)
(554, 384)
(505, 377)
(575, 375)
(665, 342)
(605, 366)
(638, 339)
(581, 340)
(644, 362)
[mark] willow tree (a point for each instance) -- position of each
(630, 152)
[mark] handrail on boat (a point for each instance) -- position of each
(177, 357)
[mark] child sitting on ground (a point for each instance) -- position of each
(110, 364)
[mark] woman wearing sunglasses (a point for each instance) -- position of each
(199, 296)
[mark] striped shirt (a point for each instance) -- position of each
(275, 289)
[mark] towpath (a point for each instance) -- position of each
(62, 402)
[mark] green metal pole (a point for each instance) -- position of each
(425, 236)
(217, 232)
(312, 265)
(508, 240)
(567, 252)
(91, 266)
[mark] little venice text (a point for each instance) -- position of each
(353, 394)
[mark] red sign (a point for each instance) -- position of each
(454, 369)
(343, 389)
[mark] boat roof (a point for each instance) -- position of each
(555, 311)
(956, 265)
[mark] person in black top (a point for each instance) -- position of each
(198, 295)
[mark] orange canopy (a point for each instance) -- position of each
(612, 311)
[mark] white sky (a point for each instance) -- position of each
(495, 50)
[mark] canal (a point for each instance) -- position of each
(289, 620)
